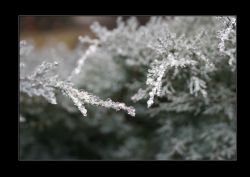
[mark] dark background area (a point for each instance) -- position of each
(44, 29)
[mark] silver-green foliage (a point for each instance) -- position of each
(190, 64)
(185, 67)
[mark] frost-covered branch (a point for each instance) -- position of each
(227, 38)
(41, 83)
(157, 71)
(197, 85)
(81, 97)
(229, 26)
(168, 52)
(91, 49)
